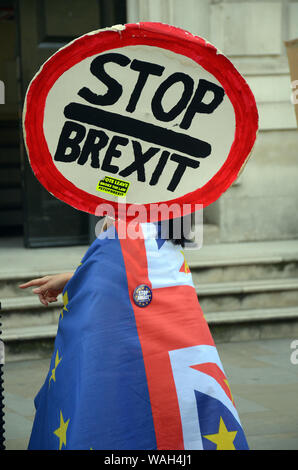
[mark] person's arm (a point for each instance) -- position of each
(48, 287)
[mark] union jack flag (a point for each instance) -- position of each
(134, 374)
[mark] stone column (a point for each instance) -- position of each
(192, 15)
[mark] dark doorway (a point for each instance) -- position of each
(33, 30)
(11, 215)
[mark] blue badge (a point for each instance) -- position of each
(142, 295)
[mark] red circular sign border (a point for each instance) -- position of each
(152, 34)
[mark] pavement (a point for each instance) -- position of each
(263, 377)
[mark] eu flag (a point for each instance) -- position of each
(134, 364)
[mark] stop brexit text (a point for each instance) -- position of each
(93, 146)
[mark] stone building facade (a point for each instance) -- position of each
(262, 204)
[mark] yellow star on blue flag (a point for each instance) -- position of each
(65, 303)
(61, 431)
(57, 362)
(219, 425)
(223, 439)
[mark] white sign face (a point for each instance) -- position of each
(141, 114)
(91, 151)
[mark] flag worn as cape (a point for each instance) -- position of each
(128, 375)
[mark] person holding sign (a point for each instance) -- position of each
(145, 118)
(137, 369)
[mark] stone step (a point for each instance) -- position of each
(243, 295)
(212, 264)
(243, 253)
(246, 291)
(27, 311)
(252, 315)
(243, 271)
(212, 318)
(243, 261)
(27, 333)
(229, 275)
(213, 297)
(38, 340)
(246, 287)
(9, 281)
(256, 324)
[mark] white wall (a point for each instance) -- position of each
(251, 34)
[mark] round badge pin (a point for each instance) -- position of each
(142, 295)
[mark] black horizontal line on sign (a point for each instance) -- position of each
(138, 129)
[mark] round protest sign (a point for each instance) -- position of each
(138, 115)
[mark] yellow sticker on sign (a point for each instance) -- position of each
(113, 186)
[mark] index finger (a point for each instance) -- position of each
(33, 282)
